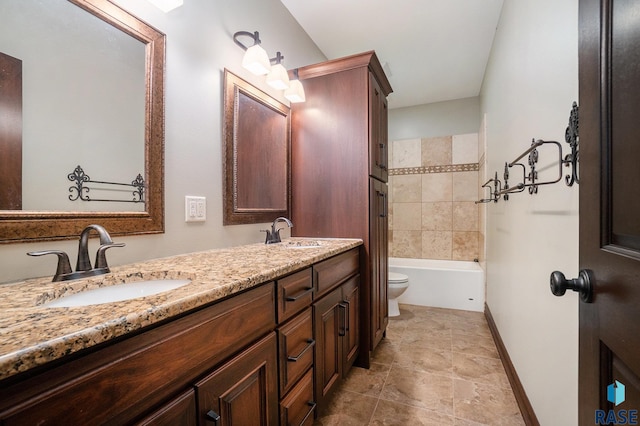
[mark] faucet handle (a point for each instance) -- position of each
(64, 267)
(268, 237)
(101, 257)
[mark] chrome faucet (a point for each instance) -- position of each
(273, 236)
(83, 265)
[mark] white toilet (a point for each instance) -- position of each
(398, 283)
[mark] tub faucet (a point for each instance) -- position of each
(273, 236)
(83, 265)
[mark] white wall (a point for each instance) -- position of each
(455, 117)
(199, 47)
(530, 84)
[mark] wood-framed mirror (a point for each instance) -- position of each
(257, 154)
(41, 224)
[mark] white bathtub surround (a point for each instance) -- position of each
(448, 284)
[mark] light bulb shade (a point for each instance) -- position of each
(256, 60)
(295, 92)
(278, 78)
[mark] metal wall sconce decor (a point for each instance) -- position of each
(498, 188)
(257, 61)
(81, 192)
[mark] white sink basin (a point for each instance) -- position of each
(116, 293)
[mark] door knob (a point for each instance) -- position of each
(583, 284)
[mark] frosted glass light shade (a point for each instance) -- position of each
(278, 77)
(256, 60)
(295, 92)
(166, 5)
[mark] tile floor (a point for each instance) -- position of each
(435, 367)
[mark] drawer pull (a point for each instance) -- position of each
(310, 343)
(302, 294)
(313, 407)
(212, 416)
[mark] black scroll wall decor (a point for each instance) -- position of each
(501, 188)
(80, 190)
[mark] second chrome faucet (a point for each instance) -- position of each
(83, 265)
(273, 236)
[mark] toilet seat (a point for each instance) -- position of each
(396, 278)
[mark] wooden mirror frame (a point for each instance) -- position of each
(266, 130)
(26, 226)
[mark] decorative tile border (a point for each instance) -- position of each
(470, 167)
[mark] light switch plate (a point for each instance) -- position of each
(195, 209)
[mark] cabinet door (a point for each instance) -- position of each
(351, 307)
(378, 137)
(329, 329)
(179, 411)
(379, 238)
(244, 391)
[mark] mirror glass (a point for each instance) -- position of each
(257, 154)
(83, 95)
(87, 117)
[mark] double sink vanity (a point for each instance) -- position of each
(255, 334)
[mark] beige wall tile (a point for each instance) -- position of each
(407, 189)
(405, 153)
(436, 151)
(437, 216)
(436, 245)
(407, 216)
(465, 245)
(464, 149)
(407, 244)
(465, 186)
(465, 216)
(437, 187)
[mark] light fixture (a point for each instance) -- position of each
(278, 78)
(257, 61)
(295, 92)
(166, 5)
(255, 57)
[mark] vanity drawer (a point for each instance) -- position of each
(333, 271)
(295, 341)
(295, 292)
(298, 407)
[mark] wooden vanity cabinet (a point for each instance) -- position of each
(336, 317)
(339, 150)
(337, 334)
(178, 411)
(295, 348)
(244, 390)
(247, 359)
(139, 377)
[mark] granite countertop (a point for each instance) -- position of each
(32, 335)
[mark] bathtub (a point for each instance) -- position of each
(449, 284)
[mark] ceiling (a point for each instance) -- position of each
(431, 50)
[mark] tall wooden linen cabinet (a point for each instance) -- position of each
(339, 173)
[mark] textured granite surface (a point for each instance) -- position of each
(32, 334)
